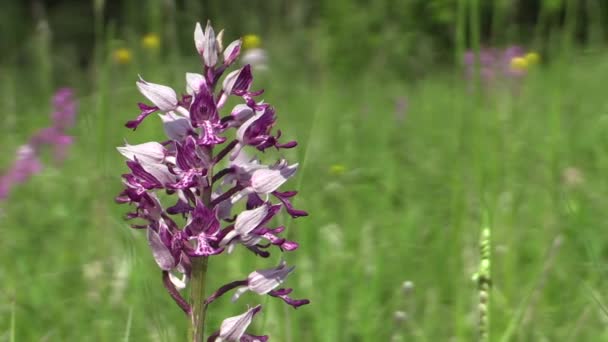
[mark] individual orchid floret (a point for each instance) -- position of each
(177, 127)
(262, 282)
(202, 174)
(206, 44)
(161, 96)
(238, 82)
(265, 181)
(160, 245)
(233, 328)
(232, 52)
(150, 151)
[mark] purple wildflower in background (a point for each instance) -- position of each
(208, 174)
(401, 106)
(28, 162)
(499, 66)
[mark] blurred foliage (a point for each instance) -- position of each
(348, 35)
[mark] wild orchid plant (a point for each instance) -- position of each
(185, 166)
(28, 160)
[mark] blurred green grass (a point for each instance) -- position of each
(406, 208)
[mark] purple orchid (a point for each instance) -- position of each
(208, 174)
(54, 137)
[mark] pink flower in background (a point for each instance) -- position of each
(27, 162)
(401, 106)
(496, 65)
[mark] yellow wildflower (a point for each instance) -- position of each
(151, 41)
(519, 64)
(532, 58)
(251, 41)
(122, 56)
(337, 169)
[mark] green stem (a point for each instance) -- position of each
(198, 279)
(197, 299)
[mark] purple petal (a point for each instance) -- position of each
(181, 302)
(145, 111)
(283, 294)
(284, 198)
(203, 108)
(253, 338)
(238, 81)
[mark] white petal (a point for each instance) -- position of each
(199, 38)
(220, 40)
(210, 46)
(230, 54)
(248, 220)
(240, 133)
(229, 81)
(176, 126)
(233, 328)
(161, 96)
(150, 151)
(159, 171)
(243, 161)
(264, 281)
(180, 284)
(193, 82)
(266, 181)
(241, 112)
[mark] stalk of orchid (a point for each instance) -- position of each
(184, 166)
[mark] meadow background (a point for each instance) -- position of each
(401, 159)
